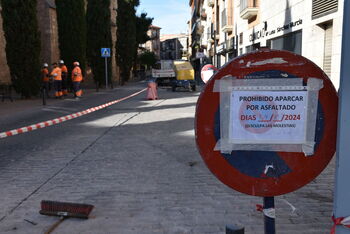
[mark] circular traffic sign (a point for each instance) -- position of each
(207, 72)
(246, 171)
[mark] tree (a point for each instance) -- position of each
(126, 37)
(142, 25)
(147, 58)
(23, 45)
(72, 31)
(98, 18)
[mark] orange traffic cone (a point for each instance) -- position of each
(152, 93)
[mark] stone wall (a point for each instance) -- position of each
(47, 20)
(115, 68)
(4, 70)
(55, 51)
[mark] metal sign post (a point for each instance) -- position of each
(269, 219)
(106, 53)
(342, 189)
(44, 93)
(106, 71)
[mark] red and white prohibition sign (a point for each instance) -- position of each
(266, 173)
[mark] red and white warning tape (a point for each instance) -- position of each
(341, 221)
(269, 212)
(64, 118)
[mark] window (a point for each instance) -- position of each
(154, 34)
(291, 42)
(244, 4)
(223, 18)
(253, 47)
(323, 7)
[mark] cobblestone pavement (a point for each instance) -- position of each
(138, 164)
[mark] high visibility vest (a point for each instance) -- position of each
(64, 70)
(76, 75)
(56, 73)
(45, 75)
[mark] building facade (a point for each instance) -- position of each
(4, 69)
(196, 34)
(153, 45)
(311, 28)
(174, 47)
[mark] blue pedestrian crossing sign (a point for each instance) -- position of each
(105, 52)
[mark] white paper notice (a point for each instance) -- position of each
(268, 117)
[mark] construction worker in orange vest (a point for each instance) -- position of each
(45, 79)
(56, 73)
(77, 78)
(64, 77)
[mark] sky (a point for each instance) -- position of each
(170, 15)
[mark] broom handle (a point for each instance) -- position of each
(62, 218)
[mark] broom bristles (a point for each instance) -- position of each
(65, 209)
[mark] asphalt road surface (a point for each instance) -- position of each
(137, 163)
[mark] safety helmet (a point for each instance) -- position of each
(76, 64)
(61, 62)
(45, 65)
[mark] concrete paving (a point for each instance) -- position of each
(137, 163)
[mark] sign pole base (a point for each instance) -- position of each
(233, 229)
(269, 218)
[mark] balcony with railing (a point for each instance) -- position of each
(200, 29)
(203, 15)
(210, 35)
(248, 8)
(226, 25)
(211, 3)
(230, 43)
(197, 29)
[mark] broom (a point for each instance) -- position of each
(64, 210)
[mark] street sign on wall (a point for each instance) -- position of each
(266, 123)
